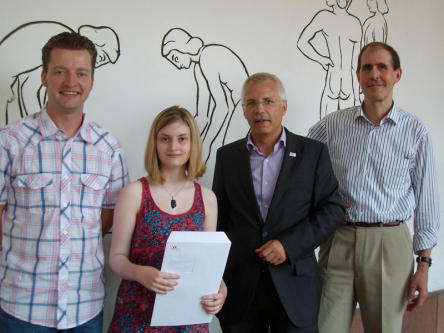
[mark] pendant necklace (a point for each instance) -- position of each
(173, 201)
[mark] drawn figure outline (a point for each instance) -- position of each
(341, 32)
(219, 74)
(26, 90)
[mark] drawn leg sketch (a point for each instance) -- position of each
(375, 27)
(24, 83)
(342, 33)
(219, 74)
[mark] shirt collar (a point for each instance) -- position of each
(393, 115)
(49, 128)
(280, 143)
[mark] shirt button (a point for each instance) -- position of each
(264, 234)
(66, 205)
(65, 232)
(266, 206)
(265, 183)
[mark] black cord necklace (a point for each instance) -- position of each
(173, 201)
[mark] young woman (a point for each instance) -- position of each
(148, 210)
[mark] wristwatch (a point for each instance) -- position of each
(424, 259)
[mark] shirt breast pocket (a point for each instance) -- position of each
(92, 192)
(94, 187)
(34, 192)
(397, 173)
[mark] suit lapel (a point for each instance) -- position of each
(292, 157)
(246, 179)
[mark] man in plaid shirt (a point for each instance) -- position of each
(59, 178)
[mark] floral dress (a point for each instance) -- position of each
(134, 302)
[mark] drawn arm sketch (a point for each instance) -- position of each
(219, 74)
(26, 92)
(341, 32)
(375, 27)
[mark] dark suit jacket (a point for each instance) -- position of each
(305, 210)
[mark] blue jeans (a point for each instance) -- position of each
(10, 324)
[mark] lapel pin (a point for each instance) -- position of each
(292, 154)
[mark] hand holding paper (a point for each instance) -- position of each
(200, 259)
(155, 280)
(213, 303)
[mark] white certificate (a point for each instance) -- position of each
(199, 258)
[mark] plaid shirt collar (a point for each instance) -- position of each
(48, 128)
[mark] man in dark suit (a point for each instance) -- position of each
(278, 201)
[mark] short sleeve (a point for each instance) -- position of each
(118, 179)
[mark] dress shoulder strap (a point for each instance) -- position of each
(198, 198)
(144, 182)
(145, 191)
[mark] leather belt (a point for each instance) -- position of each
(372, 224)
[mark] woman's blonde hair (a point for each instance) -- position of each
(195, 166)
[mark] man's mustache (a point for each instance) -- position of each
(261, 116)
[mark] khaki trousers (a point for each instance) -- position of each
(371, 266)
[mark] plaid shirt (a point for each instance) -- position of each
(51, 261)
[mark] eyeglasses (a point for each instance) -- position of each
(253, 105)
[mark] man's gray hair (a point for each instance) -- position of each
(261, 77)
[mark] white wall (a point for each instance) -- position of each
(128, 94)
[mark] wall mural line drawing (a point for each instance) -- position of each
(342, 33)
(27, 95)
(375, 26)
(219, 74)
